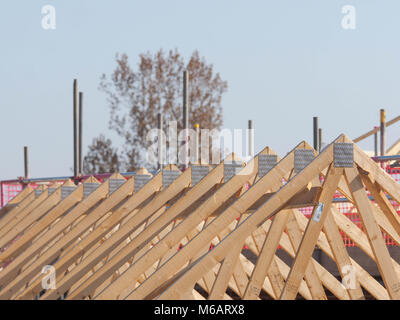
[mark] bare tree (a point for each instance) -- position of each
(101, 157)
(155, 86)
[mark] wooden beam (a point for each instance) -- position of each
(394, 149)
(366, 280)
(10, 220)
(311, 235)
(311, 275)
(255, 243)
(43, 223)
(182, 182)
(373, 232)
(328, 280)
(266, 255)
(14, 201)
(387, 183)
(383, 202)
(10, 210)
(376, 129)
(341, 256)
(50, 202)
(9, 276)
(222, 194)
(121, 211)
(266, 211)
(225, 273)
(157, 226)
(358, 236)
(274, 275)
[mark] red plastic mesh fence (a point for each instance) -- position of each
(9, 191)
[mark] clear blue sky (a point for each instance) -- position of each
(285, 62)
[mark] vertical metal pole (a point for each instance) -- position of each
(1, 195)
(376, 143)
(197, 144)
(160, 142)
(186, 115)
(80, 132)
(383, 129)
(75, 125)
(172, 142)
(251, 138)
(26, 163)
(319, 139)
(315, 127)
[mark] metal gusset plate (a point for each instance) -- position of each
(231, 169)
(198, 173)
(141, 180)
(51, 190)
(168, 176)
(114, 184)
(88, 188)
(343, 154)
(265, 163)
(302, 158)
(66, 191)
